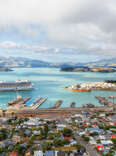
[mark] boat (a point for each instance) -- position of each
(80, 90)
(20, 85)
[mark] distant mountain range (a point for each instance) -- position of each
(19, 62)
(103, 63)
(13, 62)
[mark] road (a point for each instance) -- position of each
(89, 148)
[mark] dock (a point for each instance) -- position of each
(39, 102)
(104, 101)
(72, 105)
(88, 105)
(19, 100)
(58, 104)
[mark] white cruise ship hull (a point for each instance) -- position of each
(16, 89)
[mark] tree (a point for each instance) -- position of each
(58, 143)
(48, 146)
(66, 141)
(67, 132)
(94, 134)
(3, 134)
(114, 141)
(78, 146)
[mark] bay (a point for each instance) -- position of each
(51, 83)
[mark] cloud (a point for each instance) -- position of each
(86, 25)
(14, 45)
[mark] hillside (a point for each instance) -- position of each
(18, 62)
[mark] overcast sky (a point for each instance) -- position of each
(58, 30)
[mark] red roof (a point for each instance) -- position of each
(114, 123)
(13, 154)
(68, 138)
(85, 124)
(113, 136)
(107, 124)
(100, 147)
(94, 125)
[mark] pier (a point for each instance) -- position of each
(38, 103)
(58, 104)
(18, 100)
(88, 105)
(72, 105)
(104, 101)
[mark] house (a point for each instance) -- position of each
(106, 142)
(32, 123)
(35, 132)
(38, 153)
(102, 115)
(8, 142)
(73, 142)
(27, 132)
(102, 137)
(13, 154)
(60, 127)
(113, 136)
(92, 142)
(61, 153)
(27, 154)
(49, 153)
(100, 147)
(81, 133)
(105, 151)
(16, 138)
(94, 130)
(68, 138)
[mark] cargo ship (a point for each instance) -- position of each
(20, 85)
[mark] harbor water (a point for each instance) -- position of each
(51, 82)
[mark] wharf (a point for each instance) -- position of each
(59, 111)
(58, 104)
(38, 104)
(19, 100)
(104, 101)
(72, 105)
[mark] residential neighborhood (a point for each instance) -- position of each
(80, 134)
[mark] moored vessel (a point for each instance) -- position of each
(80, 90)
(19, 85)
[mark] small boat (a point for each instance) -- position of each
(80, 90)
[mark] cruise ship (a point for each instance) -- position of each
(19, 85)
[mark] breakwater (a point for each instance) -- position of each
(89, 86)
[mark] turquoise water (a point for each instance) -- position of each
(50, 83)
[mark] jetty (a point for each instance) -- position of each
(38, 103)
(104, 101)
(72, 105)
(58, 104)
(18, 100)
(88, 105)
